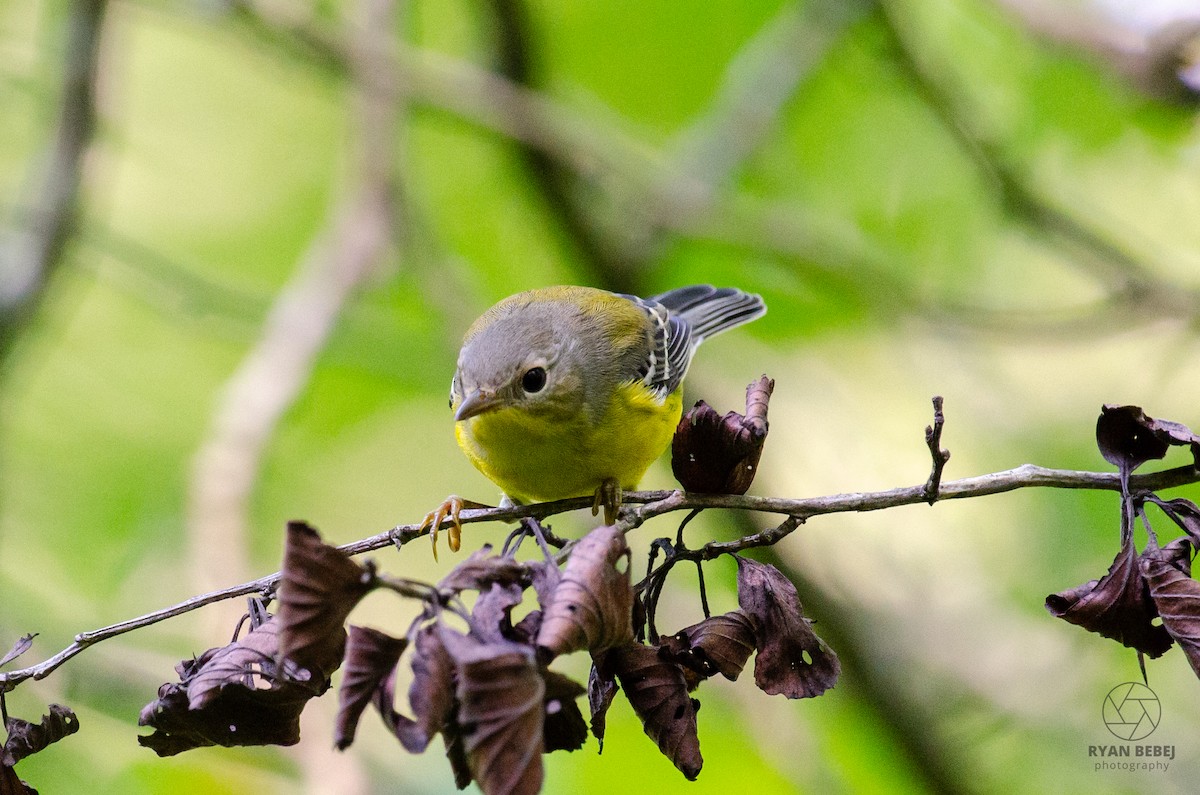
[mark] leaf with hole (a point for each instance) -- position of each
(658, 693)
(234, 695)
(719, 455)
(718, 644)
(791, 660)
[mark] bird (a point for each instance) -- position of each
(575, 391)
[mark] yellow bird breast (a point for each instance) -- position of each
(535, 459)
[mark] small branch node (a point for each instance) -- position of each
(933, 440)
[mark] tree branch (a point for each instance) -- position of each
(642, 506)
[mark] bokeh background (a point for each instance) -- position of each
(241, 241)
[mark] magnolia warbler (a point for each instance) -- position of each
(572, 391)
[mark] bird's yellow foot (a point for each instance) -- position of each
(608, 495)
(447, 511)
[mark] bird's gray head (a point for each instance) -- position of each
(516, 355)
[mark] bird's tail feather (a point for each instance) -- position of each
(710, 310)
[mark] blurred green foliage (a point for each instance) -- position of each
(901, 210)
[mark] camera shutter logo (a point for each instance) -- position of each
(1131, 711)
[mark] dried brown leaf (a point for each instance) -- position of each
(563, 727)
(658, 694)
(526, 630)
(231, 696)
(791, 659)
(250, 663)
(481, 569)
(718, 644)
(719, 455)
(320, 585)
(1176, 595)
(1128, 438)
(371, 659)
(1180, 553)
(500, 696)
(11, 783)
(1117, 606)
(430, 696)
(456, 752)
(26, 739)
(491, 616)
(1182, 512)
(592, 606)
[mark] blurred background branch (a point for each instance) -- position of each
(615, 197)
(1162, 59)
(1130, 285)
(348, 251)
(32, 247)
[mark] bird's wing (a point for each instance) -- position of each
(683, 318)
(671, 347)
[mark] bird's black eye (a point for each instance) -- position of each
(534, 380)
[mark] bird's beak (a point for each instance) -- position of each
(476, 402)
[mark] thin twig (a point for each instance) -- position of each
(703, 590)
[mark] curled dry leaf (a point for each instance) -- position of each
(602, 689)
(26, 739)
(658, 693)
(491, 618)
(1128, 438)
(1175, 594)
(371, 659)
(591, 607)
(481, 569)
(718, 644)
(500, 696)
(431, 698)
(230, 696)
(791, 659)
(1117, 606)
(719, 455)
(456, 752)
(320, 585)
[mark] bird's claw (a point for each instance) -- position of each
(608, 495)
(448, 511)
